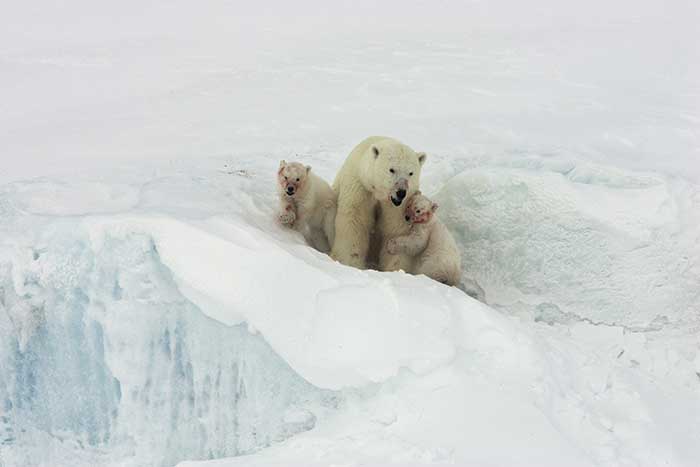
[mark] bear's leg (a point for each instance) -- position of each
(441, 270)
(353, 225)
(412, 244)
(287, 213)
(329, 224)
(396, 262)
(317, 239)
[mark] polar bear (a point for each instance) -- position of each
(379, 169)
(429, 242)
(307, 204)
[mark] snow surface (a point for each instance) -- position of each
(152, 313)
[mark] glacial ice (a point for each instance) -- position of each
(101, 354)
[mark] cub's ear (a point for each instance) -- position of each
(434, 207)
(308, 168)
(421, 157)
(283, 163)
(375, 151)
(418, 193)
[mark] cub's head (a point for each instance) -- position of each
(292, 177)
(420, 210)
(395, 171)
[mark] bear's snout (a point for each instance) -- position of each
(398, 197)
(290, 190)
(408, 218)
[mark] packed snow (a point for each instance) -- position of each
(152, 312)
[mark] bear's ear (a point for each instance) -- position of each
(421, 157)
(308, 168)
(375, 151)
(417, 193)
(434, 207)
(283, 163)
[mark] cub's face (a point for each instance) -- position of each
(396, 172)
(420, 210)
(292, 177)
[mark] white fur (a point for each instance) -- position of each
(430, 244)
(391, 224)
(311, 209)
(364, 181)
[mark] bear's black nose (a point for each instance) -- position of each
(401, 194)
(290, 190)
(408, 218)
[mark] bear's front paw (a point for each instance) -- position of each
(392, 247)
(287, 218)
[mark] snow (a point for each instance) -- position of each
(101, 354)
(542, 237)
(152, 312)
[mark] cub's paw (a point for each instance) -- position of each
(287, 218)
(392, 247)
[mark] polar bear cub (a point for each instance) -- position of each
(307, 204)
(429, 241)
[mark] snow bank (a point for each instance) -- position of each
(336, 326)
(104, 308)
(102, 358)
(542, 237)
(124, 296)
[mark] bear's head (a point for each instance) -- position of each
(420, 209)
(395, 172)
(292, 177)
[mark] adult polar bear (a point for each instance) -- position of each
(380, 171)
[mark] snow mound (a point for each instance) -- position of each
(599, 243)
(336, 326)
(105, 342)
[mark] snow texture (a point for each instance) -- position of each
(153, 313)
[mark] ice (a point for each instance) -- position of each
(112, 358)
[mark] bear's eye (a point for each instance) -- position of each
(391, 170)
(285, 178)
(297, 179)
(410, 174)
(418, 211)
